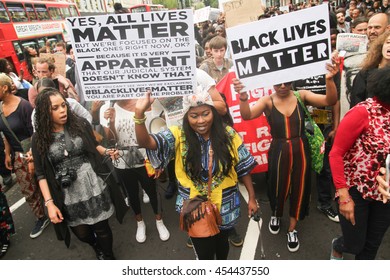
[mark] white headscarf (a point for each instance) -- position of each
(201, 97)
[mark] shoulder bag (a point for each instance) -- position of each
(315, 137)
(199, 216)
(26, 143)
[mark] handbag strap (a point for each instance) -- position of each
(7, 124)
(211, 153)
(298, 96)
(68, 142)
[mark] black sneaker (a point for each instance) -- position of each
(235, 239)
(331, 214)
(4, 248)
(171, 190)
(274, 225)
(292, 241)
(40, 225)
(189, 243)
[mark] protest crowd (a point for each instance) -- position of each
(80, 161)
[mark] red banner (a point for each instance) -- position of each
(255, 133)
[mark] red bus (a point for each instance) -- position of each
(28, 23)
(146, 8)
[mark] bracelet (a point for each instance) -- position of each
(348, 200)
(139, 121)
(47, 201)
(244, 99)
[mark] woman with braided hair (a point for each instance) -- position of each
(188, 145)
(72, 175)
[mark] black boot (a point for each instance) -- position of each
(100, 254)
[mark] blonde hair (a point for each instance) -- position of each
(5, 81)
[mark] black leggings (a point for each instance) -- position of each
(214, 247)
(130, 179)
(99, 234)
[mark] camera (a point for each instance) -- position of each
(66, 176)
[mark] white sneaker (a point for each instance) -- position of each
(141, 232)
(162, 230)
(145, 197)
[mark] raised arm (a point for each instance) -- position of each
(218, 101)
(143, 138)
(249, 112)
(330, 99)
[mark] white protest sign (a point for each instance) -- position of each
(120, 56)
(281, 49)
(201, 15)
(352, 43)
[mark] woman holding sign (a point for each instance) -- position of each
(289, 153)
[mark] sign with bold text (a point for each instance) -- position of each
(121, 56)
(281, 49)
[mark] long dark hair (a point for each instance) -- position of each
(220, 142)
(44, 121)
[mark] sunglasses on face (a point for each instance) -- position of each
(286, 84)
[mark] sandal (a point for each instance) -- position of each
(3, 249)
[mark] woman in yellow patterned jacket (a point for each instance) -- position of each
(189, 146)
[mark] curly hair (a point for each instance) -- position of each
(44, 122)
(374, 54)
(220, 142)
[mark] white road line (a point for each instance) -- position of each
(252, 233)
(17, 204)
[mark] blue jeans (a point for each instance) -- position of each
(364, 238)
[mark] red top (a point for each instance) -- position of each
(360, 147)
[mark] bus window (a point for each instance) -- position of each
(18, 51)
(55, 13)
(17, 12)
(53, 41)
(155, 8)
(41, 42)
(73, 11)
(3, 14)
(138, 9)
(31, 44)
(65, 12)
(42, 12)
(30, 12)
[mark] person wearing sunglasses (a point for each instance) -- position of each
(289, 169)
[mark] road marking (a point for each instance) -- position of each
(252, 233)
(17, 204)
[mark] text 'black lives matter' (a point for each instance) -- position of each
(297, 55)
